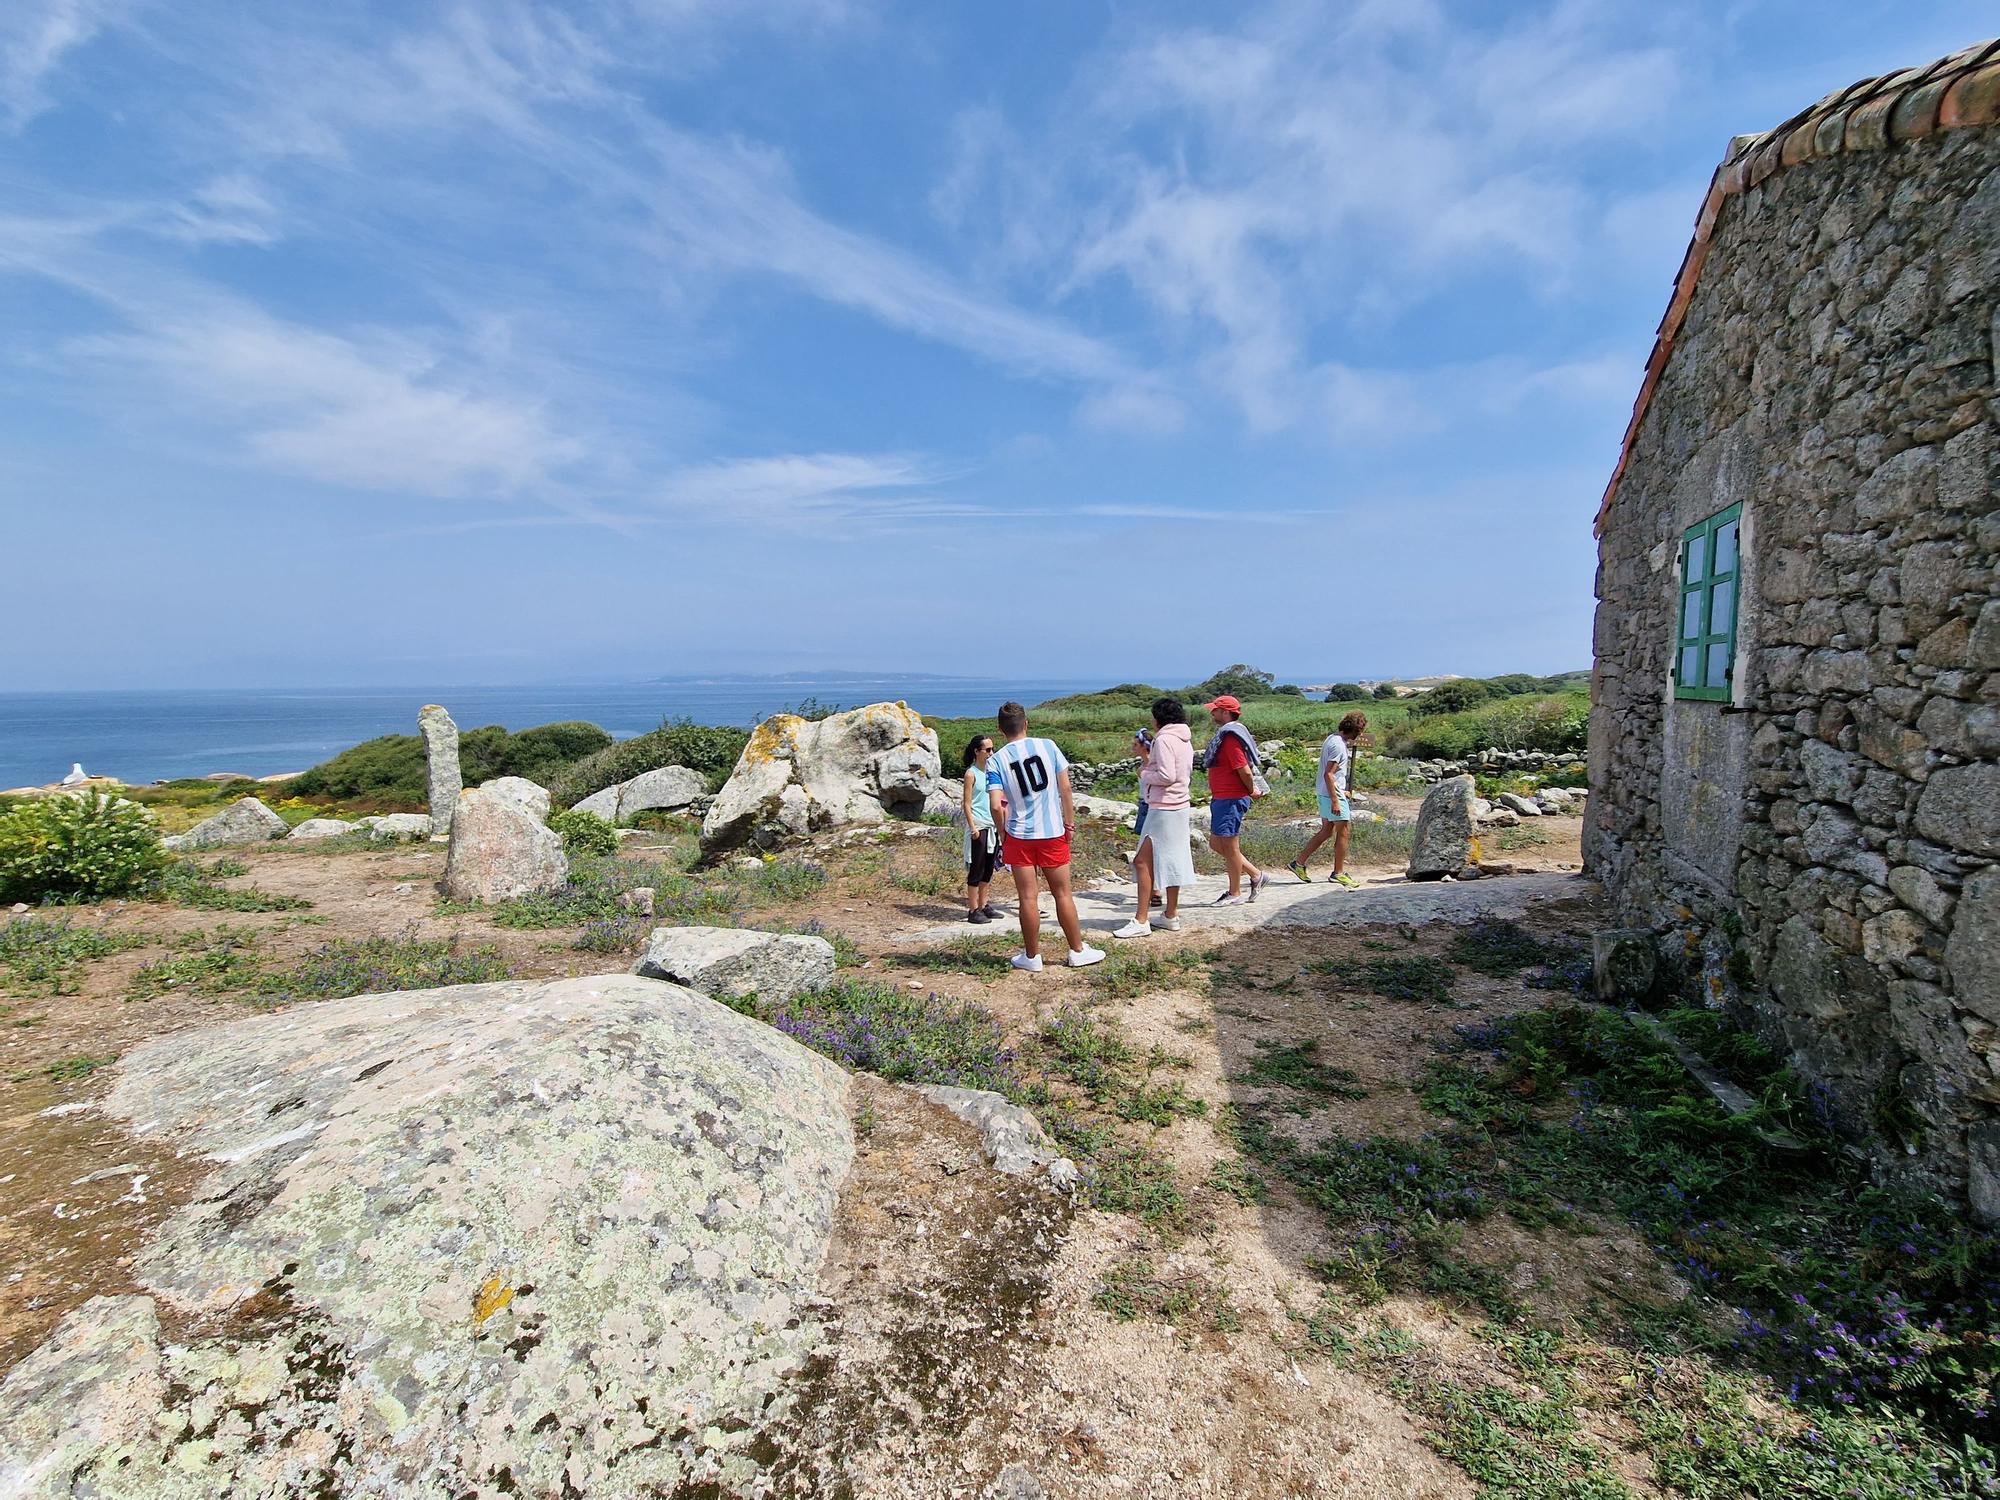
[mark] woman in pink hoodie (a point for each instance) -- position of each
(1166, 852)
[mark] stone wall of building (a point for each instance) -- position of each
(1825, 849)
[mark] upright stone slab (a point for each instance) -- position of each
(441, 757)
(1443, 842)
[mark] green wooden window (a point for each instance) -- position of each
(1706, 655)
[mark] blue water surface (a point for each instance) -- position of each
(159, 736)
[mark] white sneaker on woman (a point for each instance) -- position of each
(1026, 964)
(1085, 956)
(1168, 924)
(1134, 929)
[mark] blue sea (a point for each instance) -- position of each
(161, 736)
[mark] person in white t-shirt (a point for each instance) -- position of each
(1041, 810)
(1336, 789)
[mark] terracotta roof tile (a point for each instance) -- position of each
(1872, 114)
(1972, 99)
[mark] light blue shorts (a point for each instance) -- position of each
(1328, 813)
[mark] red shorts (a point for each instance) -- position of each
(1039, 854)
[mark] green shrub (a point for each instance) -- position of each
(1451, 697)
(584, 833)
(708, 748)
(83, 848)
(1347, 692)
(1386, 691)
(1550, 724)
(392, 769)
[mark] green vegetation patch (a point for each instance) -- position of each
(710, 749)
(202, 963)
(1421, 979)
(188, 883)
(981, 957)
(378, 965)
(46, 956)
(584, 833)
(907, 1036)
(1297, 1066)
(1498, 947)
(1135, 1289)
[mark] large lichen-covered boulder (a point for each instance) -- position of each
(1443, 843)
(798, 777)
(668, 788)
(246, 822)
(520, 1238)
(501, 844)
(322, 828)
(736, 961)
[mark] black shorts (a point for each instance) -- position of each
(979, 868)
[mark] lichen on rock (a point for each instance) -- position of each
(526, 1238)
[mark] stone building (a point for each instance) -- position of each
(1795, 743)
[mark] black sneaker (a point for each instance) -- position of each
(993, 913)
(979, 918)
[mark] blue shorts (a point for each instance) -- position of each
(1328, 813)
(1226, 815)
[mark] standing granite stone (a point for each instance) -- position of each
(1443, 842)
(441, 757)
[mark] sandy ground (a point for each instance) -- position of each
(967, 1342)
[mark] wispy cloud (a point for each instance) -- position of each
(1314, 172)
(35, 37)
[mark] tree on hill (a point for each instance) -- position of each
(1289, 690)
(1386, 690)
(1240, 680)
(1345, 692)
(1451, 697)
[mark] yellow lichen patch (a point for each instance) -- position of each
(1476, 856)
(493, 1296)
(776, 737)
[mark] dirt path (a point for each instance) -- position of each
(1105, 1352)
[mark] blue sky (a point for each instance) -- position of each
(509, 342)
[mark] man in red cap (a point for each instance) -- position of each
(1230, 763)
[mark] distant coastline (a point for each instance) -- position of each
(140, 737)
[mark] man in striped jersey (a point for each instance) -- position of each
(1041, 810)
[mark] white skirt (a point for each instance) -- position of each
(1173, 855)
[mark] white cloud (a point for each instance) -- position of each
(796, 485)
(1311, 172)
(36, 36)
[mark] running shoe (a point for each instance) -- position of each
(1300, 870)
(1263, 879)
(1226, 900)
(1085, 956)
(1343, 878)
(1133, 930)
(1168, 924)
(978, 918)
(1026, 964)
(992, 911)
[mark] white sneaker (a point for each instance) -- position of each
(1258, 884)
(1168, 924)
(1085, 956)
(1134, 929)
(1227, 900)
(1026, 964)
